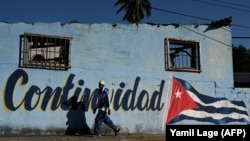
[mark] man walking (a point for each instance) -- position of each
(103, 106)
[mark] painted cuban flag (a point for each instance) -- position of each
(188, 104)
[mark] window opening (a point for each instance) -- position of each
(46, 51)
(182, 55)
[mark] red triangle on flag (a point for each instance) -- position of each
(180, 100)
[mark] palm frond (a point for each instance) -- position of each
(135, 10)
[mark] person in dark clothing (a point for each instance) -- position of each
(103, 106)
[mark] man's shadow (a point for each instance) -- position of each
(76, 123)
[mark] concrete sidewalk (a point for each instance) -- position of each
(120, 137)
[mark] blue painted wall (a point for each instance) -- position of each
(130, 59)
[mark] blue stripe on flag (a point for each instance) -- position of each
(210, 120)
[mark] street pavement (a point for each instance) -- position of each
(119, 137)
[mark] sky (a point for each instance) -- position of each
(104, 11)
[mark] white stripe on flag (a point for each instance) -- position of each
(217, 116)
(218, 104)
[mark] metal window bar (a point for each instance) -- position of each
(183, 55)
(44, 51)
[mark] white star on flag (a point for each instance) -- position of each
(178, 94)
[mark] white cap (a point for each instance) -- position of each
(101, 82)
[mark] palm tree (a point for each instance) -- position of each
(135, 10)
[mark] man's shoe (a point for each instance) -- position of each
(117, 131)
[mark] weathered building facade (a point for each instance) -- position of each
(50, 73)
